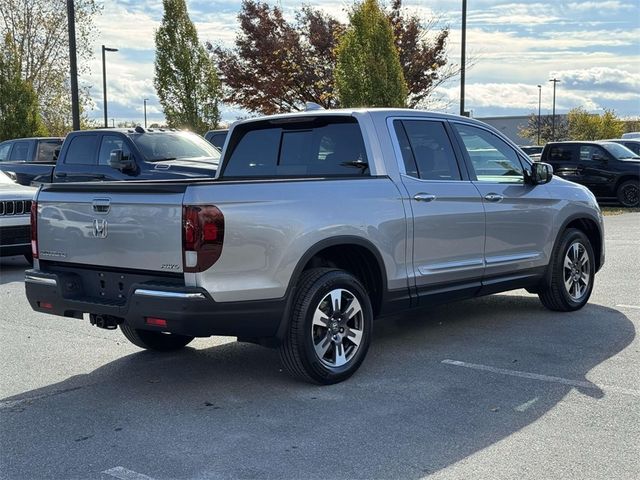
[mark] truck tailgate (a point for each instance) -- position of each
(115, 227)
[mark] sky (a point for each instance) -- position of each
(592, 47)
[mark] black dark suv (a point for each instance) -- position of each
(608, 169)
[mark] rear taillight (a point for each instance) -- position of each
(34, 229)
(202, 236)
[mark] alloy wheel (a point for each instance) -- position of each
(576, 271)
(337, 328)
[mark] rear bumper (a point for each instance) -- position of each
(187, 310)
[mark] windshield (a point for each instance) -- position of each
(619, 151)
(171, 145)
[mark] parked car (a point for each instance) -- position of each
(532, 149)
(122, 154)
(632, 144)
(631, 135)
(38, 150)
(216, 137)
(608, 169)
(317, 222)
(15, 209)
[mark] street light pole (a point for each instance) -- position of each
(463, 55)
(104, 82)
(553, 117)
(145, 112)
(539, 101)
(73, 65)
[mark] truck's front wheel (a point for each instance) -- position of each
(159, 341)
(330, 327)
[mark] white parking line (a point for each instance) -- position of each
(629, 306)
(126, 474)
(544, 378)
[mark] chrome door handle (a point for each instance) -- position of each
(493, 197)
(424, 197)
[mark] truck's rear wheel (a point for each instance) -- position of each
(330, 327)
(572, 273)
(159, 341)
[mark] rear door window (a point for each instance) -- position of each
(46, 150)
(20, 152)
(561, 153)
(82, 150)
(323, 148)
(427, 150)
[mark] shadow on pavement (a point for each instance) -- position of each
(229, 411)
(12, 269)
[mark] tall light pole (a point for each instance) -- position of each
(463, 55)
(145, 112)
(553, 117)
(104, 82)
(539, 102)
(73, 65)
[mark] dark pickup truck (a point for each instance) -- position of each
(610, 170)
(122, 154)
(32, 150)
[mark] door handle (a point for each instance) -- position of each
(424, 197)
(493, 197)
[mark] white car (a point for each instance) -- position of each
(15, 223)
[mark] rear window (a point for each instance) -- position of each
(47, 149)
(324, 147)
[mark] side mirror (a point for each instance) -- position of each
(541, 173)
(117, 161)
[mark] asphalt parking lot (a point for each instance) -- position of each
(491, 388)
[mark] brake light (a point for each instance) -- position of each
(202, 236)
(34, 229)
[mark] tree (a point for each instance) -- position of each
(368, 71)
(530, 130)
(185, 78)
(278, 65)
(423, 59)
(587, 126)
(39, 29)
(19, 116)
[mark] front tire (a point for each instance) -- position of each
(572, 273)
(158, 341)
(330, 327)
(629, 193)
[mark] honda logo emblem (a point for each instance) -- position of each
(100, 228)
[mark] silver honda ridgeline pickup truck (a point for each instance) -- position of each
(315, 224)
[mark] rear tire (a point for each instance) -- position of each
(158, 341)
(572, 273)
(330, 327)
(629, 193)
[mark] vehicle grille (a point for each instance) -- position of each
(15, 207)
(15, 235)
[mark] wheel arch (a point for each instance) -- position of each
(357, 255)
(590, 226)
